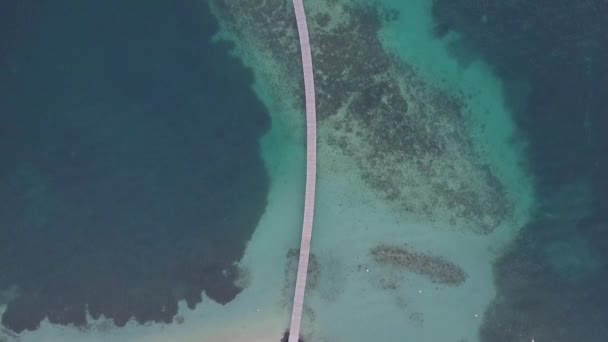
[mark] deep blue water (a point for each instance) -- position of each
(130, 176)
(553, 59)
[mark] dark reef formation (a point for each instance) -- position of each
(552, 57)
(291, 269)
(289, 284)
(269, 26)
(130, 177)
(406, 136)
(437, 269)
(285, 337)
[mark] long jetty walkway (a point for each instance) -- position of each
(311, 171)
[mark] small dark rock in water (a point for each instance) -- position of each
(286, 337)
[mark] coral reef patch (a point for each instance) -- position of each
(435, 268)
(408, 138)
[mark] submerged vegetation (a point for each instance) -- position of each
(435, 268)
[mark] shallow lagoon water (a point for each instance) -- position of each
(445, 200)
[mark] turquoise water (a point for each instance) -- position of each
(153, 173)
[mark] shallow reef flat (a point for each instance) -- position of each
(409, 138)
(410, 211)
